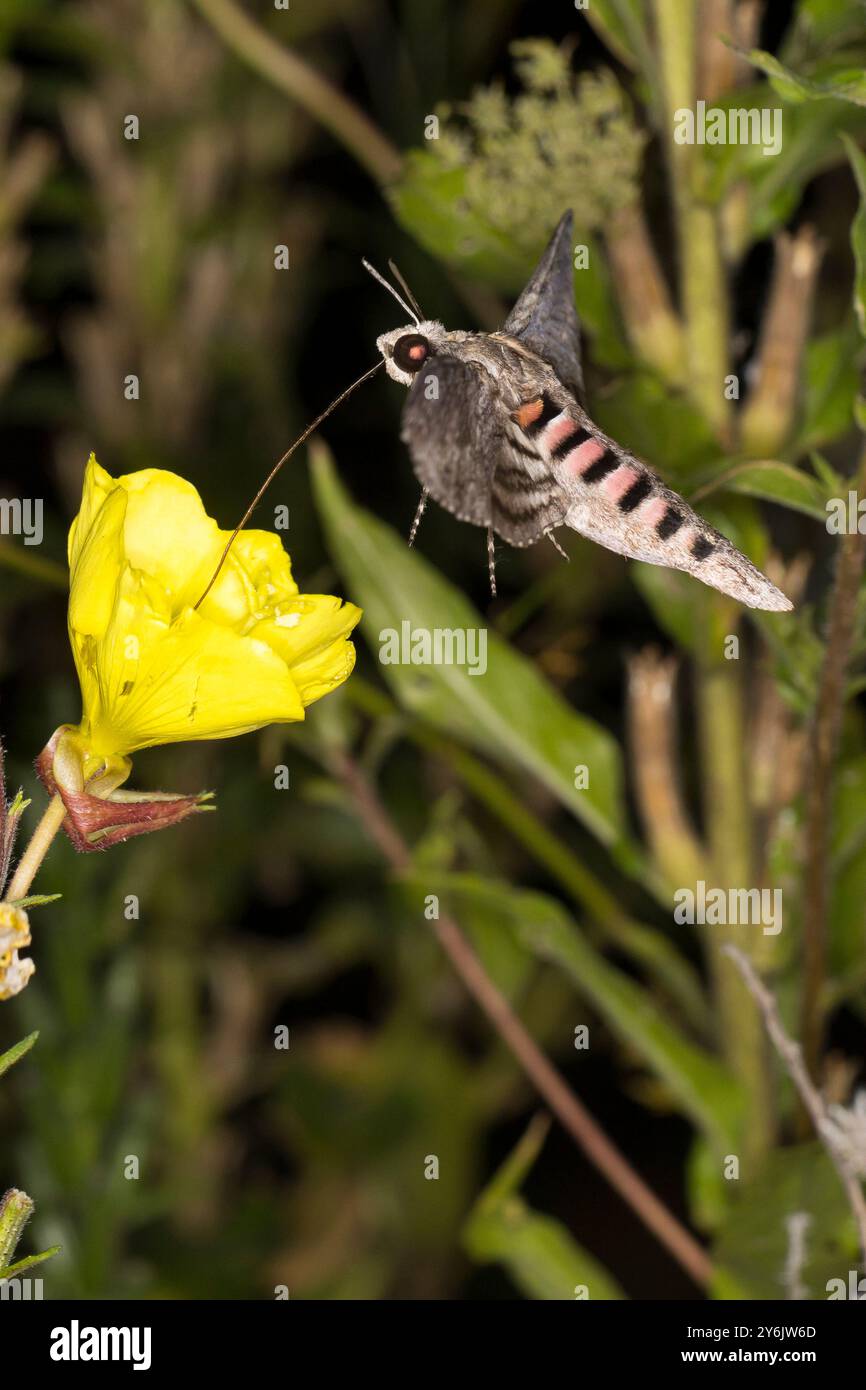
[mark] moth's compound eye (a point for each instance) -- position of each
(410, 352)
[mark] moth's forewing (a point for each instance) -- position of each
(545, 318)
(451, 425)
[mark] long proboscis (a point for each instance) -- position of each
(275, 470)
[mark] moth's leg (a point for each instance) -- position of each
(491, 562)
(418, 515)
(552, 538)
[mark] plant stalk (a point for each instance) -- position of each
(573, 1116)
(40, 843)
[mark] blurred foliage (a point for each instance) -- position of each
(166, 971)
(577, 130)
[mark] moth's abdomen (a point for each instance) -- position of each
(618, 501)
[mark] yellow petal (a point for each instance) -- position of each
(97, 567)
(97, 486)
(324, 672)
(197, 681)
(168, 534)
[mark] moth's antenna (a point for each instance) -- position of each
(390, 288)
(405, 288)
(275, 470)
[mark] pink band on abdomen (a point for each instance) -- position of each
(652, 511)
(583, 456)
(618, 484)
(560, 427)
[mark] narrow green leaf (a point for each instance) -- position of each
(8, 1059)
(29, 1261)
(831, 378)
(848, 84)
(540, 1255)
(509, 712)
(772, 481)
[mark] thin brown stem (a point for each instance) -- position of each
(573, 1116)
(821, 757)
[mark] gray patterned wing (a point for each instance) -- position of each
(545, 317)
(450, 425)
(468, 453)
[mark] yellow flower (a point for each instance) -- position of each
(155, 669)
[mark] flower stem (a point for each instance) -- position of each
(40, 843)
(702, 280)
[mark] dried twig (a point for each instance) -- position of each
(770, 411)
(652, 738)
(797, 1226)
(792, 1057)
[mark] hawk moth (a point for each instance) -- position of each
(501, 439)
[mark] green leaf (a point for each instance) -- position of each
(36, 900)
(541, 1257)
(752, 1248)
(699, 1084)
(775, 183)
(848, 84)
(510, 712)
(8, 1059)
(430, 202)
(858, 232)
(831, 378)
(11, 1271)
(772, 481)
(709, 1194)
(827, 476)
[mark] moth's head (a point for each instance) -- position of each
(407, 350)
